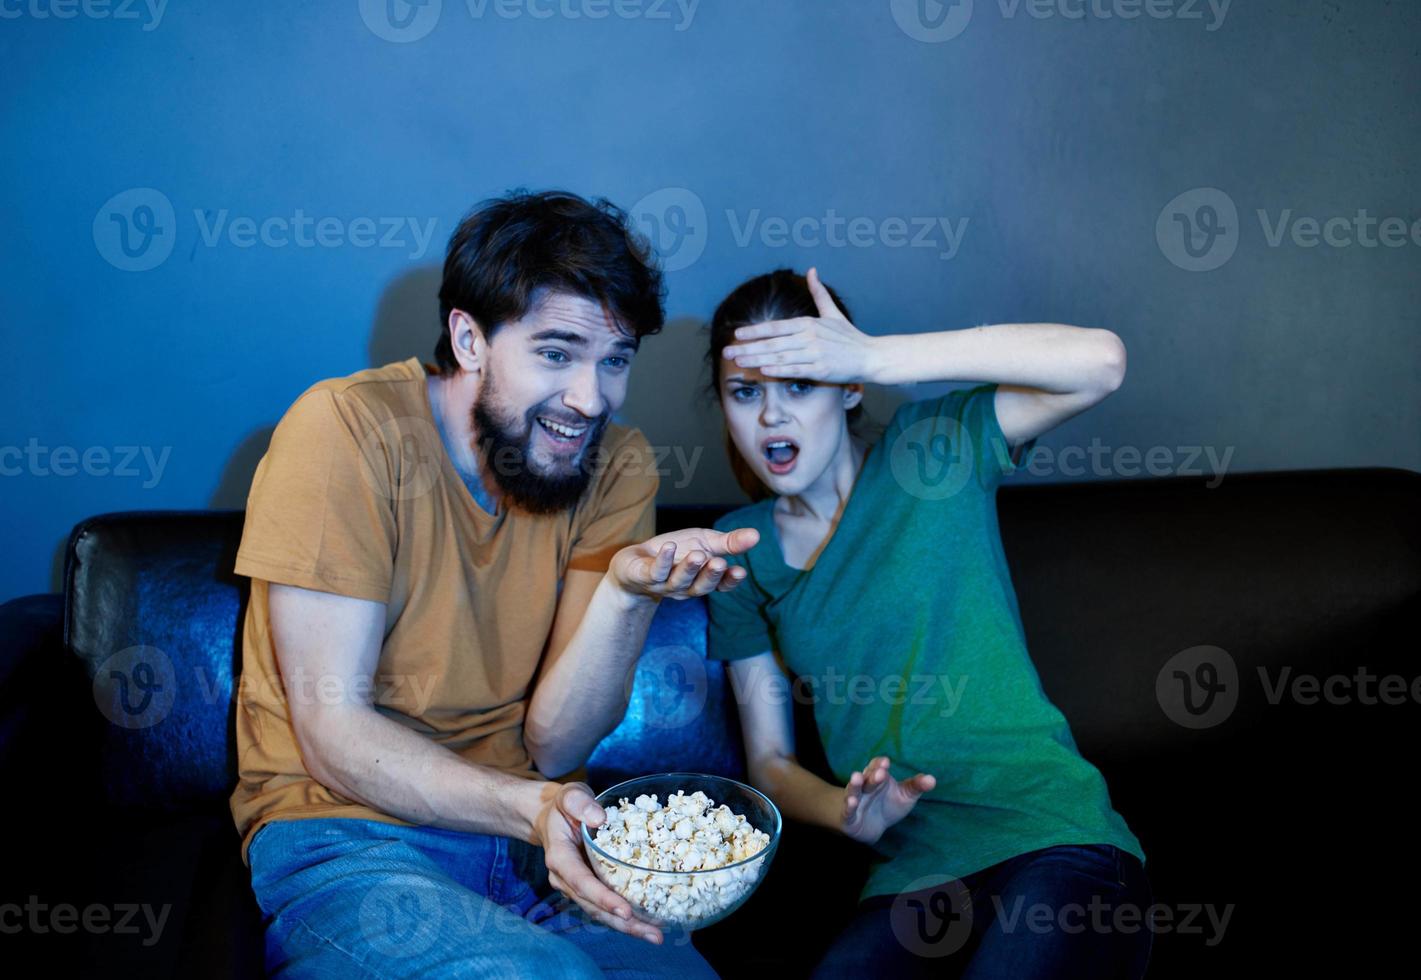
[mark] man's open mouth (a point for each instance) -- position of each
(561, 432)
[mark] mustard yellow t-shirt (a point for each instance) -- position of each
(357, 496)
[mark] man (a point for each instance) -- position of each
(453, 573)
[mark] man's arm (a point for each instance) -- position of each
(581, 693)
(327, 643)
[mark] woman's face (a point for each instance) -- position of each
(787, 430)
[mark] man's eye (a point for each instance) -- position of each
(616, 362)
(556, 356)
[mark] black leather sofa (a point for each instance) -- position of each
(1293, 809)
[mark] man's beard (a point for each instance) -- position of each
(503, 445)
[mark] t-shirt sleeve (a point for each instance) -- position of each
(317, 517)
(940, 443)
(737, 624)
(622, 510)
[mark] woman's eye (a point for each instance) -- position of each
(801, 387)
(556, 356)
(742, 394)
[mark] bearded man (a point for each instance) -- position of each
(453, 569)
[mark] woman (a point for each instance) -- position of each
(880, 583)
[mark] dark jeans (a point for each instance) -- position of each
(1078, 910)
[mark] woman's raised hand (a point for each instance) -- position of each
(875, 801)
(826, 347)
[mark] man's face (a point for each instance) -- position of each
(551, 382)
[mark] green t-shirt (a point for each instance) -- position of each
(907, 635)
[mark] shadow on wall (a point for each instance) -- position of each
(405, 325)
(407, 318)
(236, 479)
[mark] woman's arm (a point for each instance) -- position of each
(1046, 372)
(871, 803)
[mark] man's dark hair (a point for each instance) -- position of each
(508, 249)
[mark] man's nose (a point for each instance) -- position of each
(584, 395)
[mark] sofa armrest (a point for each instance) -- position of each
(31, 647)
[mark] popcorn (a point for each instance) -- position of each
(687, 834)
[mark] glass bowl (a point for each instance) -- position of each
(687, 899)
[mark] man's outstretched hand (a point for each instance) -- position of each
(682, 564)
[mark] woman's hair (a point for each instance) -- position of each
(779, 295)
(508, 249)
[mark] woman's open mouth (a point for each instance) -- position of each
(780, 454)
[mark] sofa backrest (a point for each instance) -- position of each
(154, 613)
(1114, 578)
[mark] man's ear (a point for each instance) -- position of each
(853, 394)
(467, 339)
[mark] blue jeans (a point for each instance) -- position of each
(359, 898)
(1076, 910)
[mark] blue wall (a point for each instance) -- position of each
(1057, 145)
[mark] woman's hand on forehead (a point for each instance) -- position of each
(826, 347)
